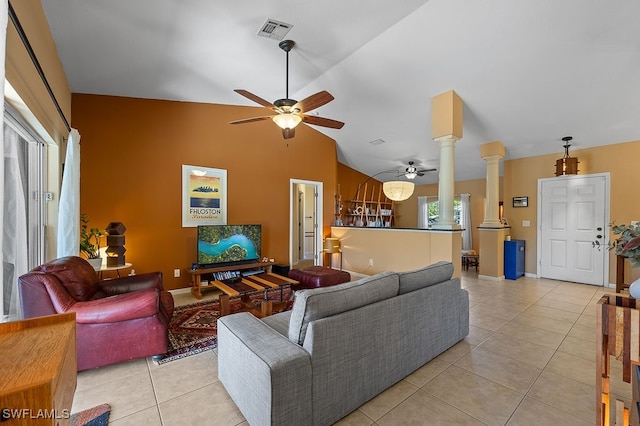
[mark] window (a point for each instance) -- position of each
(432, 210)
(428, 214)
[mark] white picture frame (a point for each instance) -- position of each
(204, 196)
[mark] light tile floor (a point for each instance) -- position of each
(529, 359)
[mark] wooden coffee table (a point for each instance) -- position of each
(248, 287)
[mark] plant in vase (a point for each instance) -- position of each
(90, 242)
(627, 244)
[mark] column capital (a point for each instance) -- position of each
(492, 149)
(446, 139)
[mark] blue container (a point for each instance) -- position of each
(514, 259)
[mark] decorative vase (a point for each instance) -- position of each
(96, 263)
(634, 289)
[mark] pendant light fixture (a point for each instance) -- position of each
(567, 165)
(398, 190)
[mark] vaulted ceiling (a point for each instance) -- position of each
(529, 72)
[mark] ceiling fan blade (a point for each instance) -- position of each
(288, 133)
(251, 120)
(324, 122)
(314, 101)
(255, 98)
(426, 170)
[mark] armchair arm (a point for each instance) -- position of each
(43, 294)
(118, 308)
(267, 375)
(132, 283)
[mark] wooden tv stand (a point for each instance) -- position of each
(196, 274)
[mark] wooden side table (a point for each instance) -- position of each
(38, 370)
(117, 269)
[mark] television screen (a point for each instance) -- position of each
(220, 245)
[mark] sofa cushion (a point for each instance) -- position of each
(314, 304)
(425, 277)
(279, 322)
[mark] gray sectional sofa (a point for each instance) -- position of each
(339, 346)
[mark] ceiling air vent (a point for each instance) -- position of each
(274, 29)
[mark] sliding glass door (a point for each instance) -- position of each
(23, 209)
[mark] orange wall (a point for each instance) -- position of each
(521, 179)
(132, 152)
(349, 179)
(523, 175)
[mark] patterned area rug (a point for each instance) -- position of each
(193, 328)
(96, 416)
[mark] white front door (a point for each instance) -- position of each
(573, 228)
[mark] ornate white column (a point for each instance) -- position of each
(446, 129)
(446, 184)
(492, 153)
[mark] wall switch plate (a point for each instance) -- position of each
(370, 262)
(176, 273)
(526, 223)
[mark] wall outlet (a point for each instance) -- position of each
(370, 262)
(176, 273)
(526, 223)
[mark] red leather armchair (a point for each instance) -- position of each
(117, 319)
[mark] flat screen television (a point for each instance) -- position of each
(223, 245)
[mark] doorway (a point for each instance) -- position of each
(305, 242)
(573, 213)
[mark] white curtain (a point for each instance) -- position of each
(15, 252)
(4, 16)
(423, 212)
(69, 205)
(465, 221)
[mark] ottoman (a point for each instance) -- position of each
(318, 276)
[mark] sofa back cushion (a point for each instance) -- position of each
(425, 277)
(314, 304)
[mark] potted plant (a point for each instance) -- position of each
(627, 244)
(90, 242)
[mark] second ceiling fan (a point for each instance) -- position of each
(289, 112)
(412, 171)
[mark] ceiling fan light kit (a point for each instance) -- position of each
(412, 172)
(398, 190)
(289, 112)
(287, 121)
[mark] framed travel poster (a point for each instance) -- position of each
(204, 196)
